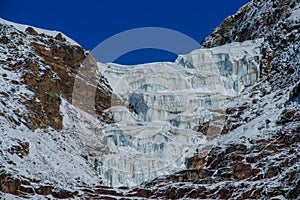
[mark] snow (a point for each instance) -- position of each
(295, 15)
(156, 137)
(56, 158)
(279, 197)
(22, 28)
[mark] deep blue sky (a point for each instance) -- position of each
(90, 22)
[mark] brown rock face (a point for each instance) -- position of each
(60, 37)
(22, 149)
(49, 69)
(50, 73)
(242, 171)
(64, 194)
(31, 31)
(44, 190)
(8, 184)
(56, 80)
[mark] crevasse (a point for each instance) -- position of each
(165, 103)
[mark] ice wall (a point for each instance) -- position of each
(164, 103)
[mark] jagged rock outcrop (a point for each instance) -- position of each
(48, 68)
(256, 19)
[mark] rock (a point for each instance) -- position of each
(31, 31)
(8, 184)
(242, 171)
(294, 193)
(60, 37)
(4, 40)
(236, 147)
(247, 194)
(63, 63)
(21, 150)
(224, 193)
(197, 193)
(26, 189)
(195, 162)
(64, 194)
(144, 193)
(286, 116)
(254, 158)
(44, 190)
(272, 171)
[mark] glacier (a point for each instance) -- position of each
(163, 105)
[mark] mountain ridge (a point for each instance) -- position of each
(256, 155)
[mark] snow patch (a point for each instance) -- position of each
(22, 28)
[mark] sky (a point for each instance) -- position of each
(90, 22)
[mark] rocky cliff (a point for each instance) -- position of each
(38, 70)
(51, 148)
(47, 65)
